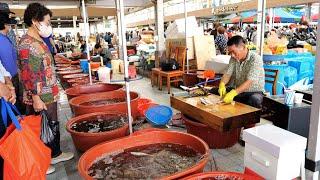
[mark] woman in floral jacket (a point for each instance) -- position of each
(37, 73)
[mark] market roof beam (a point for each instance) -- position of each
(104, 3)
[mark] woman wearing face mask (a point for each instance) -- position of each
(37, 74)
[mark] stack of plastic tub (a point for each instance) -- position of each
(304, 63)
(291, 76)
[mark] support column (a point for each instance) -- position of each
(308, 12)
(87, 34)
(159, 30)
(119, 45)
(74, 20)
(24, 28)
(271, 15)
(120, 7)
(261, 21)
(185, 31)
(313, 153)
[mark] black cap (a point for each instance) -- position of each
(4, 18)
(4, 7)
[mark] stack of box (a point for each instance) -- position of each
(177, 28)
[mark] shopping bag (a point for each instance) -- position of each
(46, 135)
(33, 121)
(55, 145)
(25, 155)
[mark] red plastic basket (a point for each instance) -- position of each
(143, 101)
(144, 107)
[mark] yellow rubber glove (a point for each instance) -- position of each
(222, 89)
(229, 96)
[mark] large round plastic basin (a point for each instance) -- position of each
(214, 138)
(221, 175)
(147, 138)
(72, 76)
(89, 89)
(85, 140)
(79, 109)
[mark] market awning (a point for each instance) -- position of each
(69, 12)
(315, 17)
(280, 16)
(232, 19)
(235, 20)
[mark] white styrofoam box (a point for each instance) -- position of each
(274, 153)
(218, 63)
(177, 29)
(133, 58)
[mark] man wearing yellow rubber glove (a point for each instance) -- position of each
(244, 76)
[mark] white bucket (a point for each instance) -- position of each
(122, 67)
(104, 74)
(298, 98)
(115, 65)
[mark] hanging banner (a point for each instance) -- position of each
(225, 10)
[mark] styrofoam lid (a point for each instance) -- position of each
(274, 140)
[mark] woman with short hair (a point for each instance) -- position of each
(37, 73)
(221, 40)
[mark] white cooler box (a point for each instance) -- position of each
(218, 63)
(274, 153)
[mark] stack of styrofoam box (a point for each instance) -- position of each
(177, 28)
(274, 153)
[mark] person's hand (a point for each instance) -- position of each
(4, 91)
(229, 96)
(38, 104)
(222, 89)
(13, 97)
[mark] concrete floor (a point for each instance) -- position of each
(230, 159)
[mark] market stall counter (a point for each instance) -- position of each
(219, 116)
(223, 120)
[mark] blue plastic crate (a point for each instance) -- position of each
(273, 57)
(308, 74)
(84, 65)
(291, 76)
(302, 66)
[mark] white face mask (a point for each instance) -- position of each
(44, 30)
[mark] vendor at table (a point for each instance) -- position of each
(246, 71)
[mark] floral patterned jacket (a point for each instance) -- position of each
(36, 71)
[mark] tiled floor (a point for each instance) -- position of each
(230, 159)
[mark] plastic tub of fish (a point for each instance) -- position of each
(91, 129)
(222, 176)
(151, 155)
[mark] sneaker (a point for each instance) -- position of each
(65, 156)
(50, 170)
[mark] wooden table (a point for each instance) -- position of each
(222, 117)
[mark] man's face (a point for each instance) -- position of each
(237, 52)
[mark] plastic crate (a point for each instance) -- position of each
(291, 76)
(302, 65)
(308, 74)
(273, 57)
